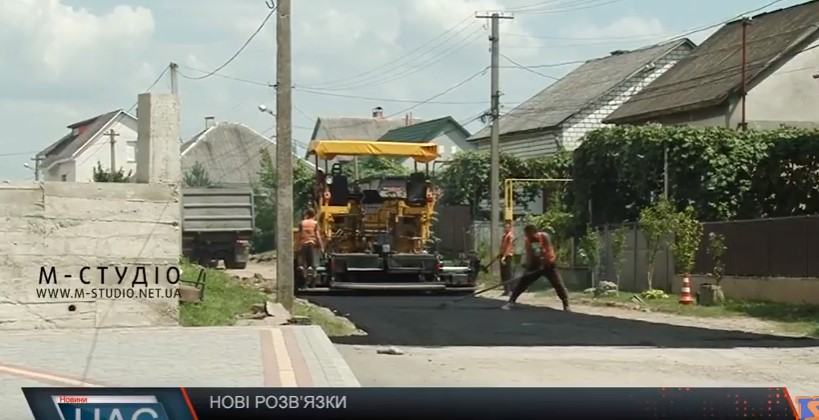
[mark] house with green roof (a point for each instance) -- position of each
(448, 134)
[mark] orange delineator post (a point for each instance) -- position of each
(685, 293)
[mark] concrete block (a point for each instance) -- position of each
(137, 313)
(113, 241)
(21, 201)
(118, 192)
(158, 160)
(130, 210)
(14, 316)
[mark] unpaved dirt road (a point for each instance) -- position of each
(476, 344)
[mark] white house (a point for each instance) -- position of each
(108, 139)
(559, 116)
(450, 136)
(705, 88)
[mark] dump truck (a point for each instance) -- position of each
(376, 232)
(217, 225)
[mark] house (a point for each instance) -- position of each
(230, 153)
(108, 139)
(357, 129)
(705, 88)
(448, 134)
(559, 116)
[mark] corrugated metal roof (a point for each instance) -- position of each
(576, 90)
(424, 131)
(710, 74)
(231, 153)
(70, 143)
(355, 128)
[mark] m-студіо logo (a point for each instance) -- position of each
(109, 407)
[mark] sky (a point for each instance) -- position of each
(64, 61)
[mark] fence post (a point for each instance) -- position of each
(607, 253)
(636, 250)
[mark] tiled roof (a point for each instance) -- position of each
(578, 89)
(710, 74)
(424, 131)
(70, 143)
(355, 128)
(231, 153)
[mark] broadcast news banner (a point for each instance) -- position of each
(418, 403)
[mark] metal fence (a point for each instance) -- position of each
(777, 247)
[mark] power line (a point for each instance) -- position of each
(340, 95)
(402, 57)
(567, 7)
(423, 64)
(521, 66)
(242, 48)
(131, 108)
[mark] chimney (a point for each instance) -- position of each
(210, 122)
(378, 112)
(407, 119)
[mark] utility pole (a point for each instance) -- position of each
(112, 135)
(284, 159)
(36, 160)
(665, 171)
(746, 21)
(494, 145)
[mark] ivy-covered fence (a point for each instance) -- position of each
(725, 174)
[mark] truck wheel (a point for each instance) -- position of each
(232, 264)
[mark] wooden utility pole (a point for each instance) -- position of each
(112, 135)
(36, 160)
(494, 145)
(284, 160)
(746, 21)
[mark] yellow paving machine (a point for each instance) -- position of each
(376, 231)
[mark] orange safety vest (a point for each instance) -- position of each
(545, 249)
(308, 232)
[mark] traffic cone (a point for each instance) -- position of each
(685, 294)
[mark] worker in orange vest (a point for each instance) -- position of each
(541, 262)
(310, 245)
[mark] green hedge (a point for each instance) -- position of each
(725, 174)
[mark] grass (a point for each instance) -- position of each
(792, 318)
(227, 300)
(332, 325)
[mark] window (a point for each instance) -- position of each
(131, 151)
(455, 149)
(441, 150)
(63, 178)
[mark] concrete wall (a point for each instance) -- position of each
(68, 225)
(72, 225)
(789, 290)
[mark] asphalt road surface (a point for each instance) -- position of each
(473, 343)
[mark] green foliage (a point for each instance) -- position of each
(716, 249)
(686, 240)
(265, 202)
(371, 166)
(725, 173)
(653, 294)
(618, 243)
(106, 175)
(465, 180)
(558, 221)
(197, 176)
(589, 247)
(657, 223)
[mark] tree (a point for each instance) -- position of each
(590, 250)
(465, 179)
(106, 175)
(686, 240)
(265, 203)
(197, 176)
(371, 166)
(657, 222)
(716, 249)
(618, 242)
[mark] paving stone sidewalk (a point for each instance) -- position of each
(287, 356)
